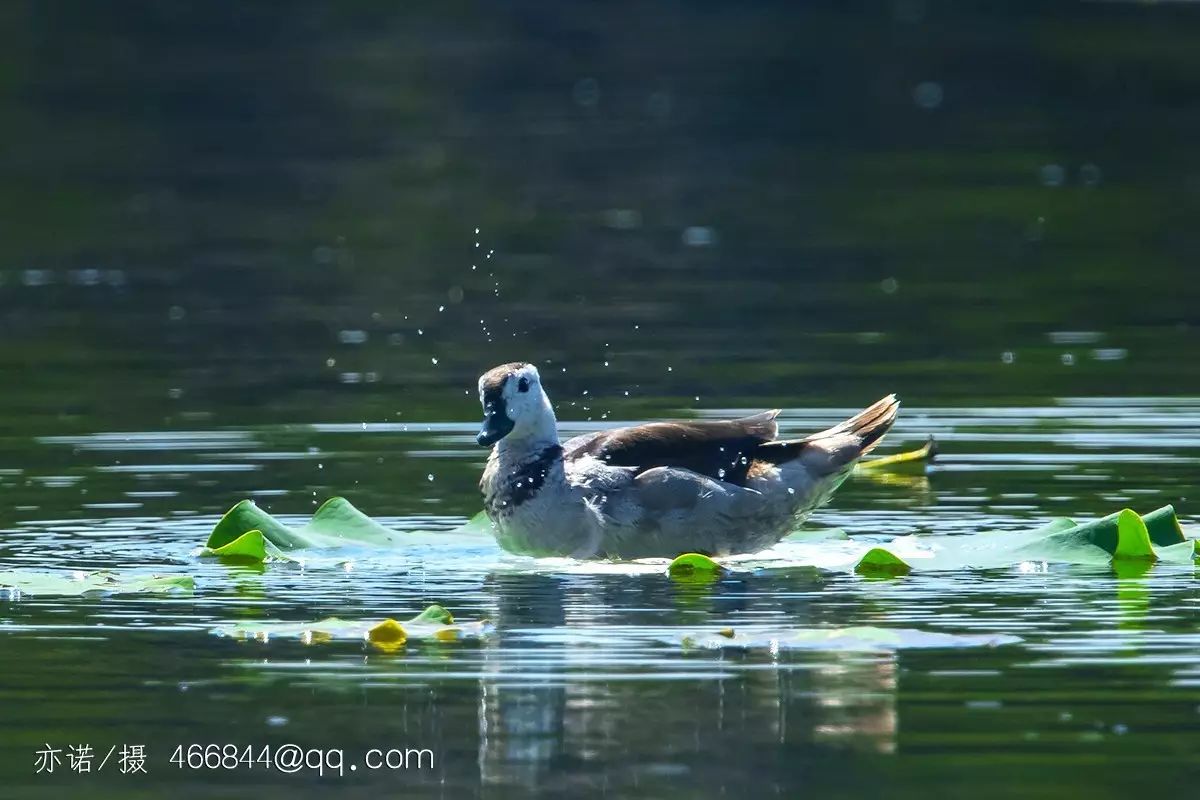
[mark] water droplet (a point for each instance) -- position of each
(586, 92)
(85, 277)
(699, 236)
(622, 219)
(928, 95)
(1052, 175)
(36, 277)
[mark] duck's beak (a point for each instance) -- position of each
(496, 425)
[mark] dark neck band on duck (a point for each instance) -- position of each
(526, 479)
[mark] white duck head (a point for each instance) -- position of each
(515, 407)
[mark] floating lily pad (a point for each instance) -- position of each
(1133, 538)
(434, 623)
(336, 523)
(388, 635)
(879, 563)
(434, 615)
(250, 547)
(21, 582)
(839, 639)
(1062, 541)
(1123, 535)
(922, 454)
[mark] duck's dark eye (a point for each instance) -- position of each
(523, 385)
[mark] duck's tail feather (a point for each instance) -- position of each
(842, 444)
(869, 425)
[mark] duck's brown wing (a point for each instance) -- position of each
(723, 450)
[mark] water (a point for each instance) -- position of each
(249, 254)
(581, 688)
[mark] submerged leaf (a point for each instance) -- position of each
(20, 582)
(818, 535)
(856, 638)
(434, 623)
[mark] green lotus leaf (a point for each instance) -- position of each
(1133, 539)
(336, 523)
(922, 454)
(434, 614)
(250, 547)
(1163, 527)
(694, 567)
(880, 563)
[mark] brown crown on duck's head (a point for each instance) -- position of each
(497, 423)
(492, 381)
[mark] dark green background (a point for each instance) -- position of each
(277, 176)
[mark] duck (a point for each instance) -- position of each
(655, 490)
